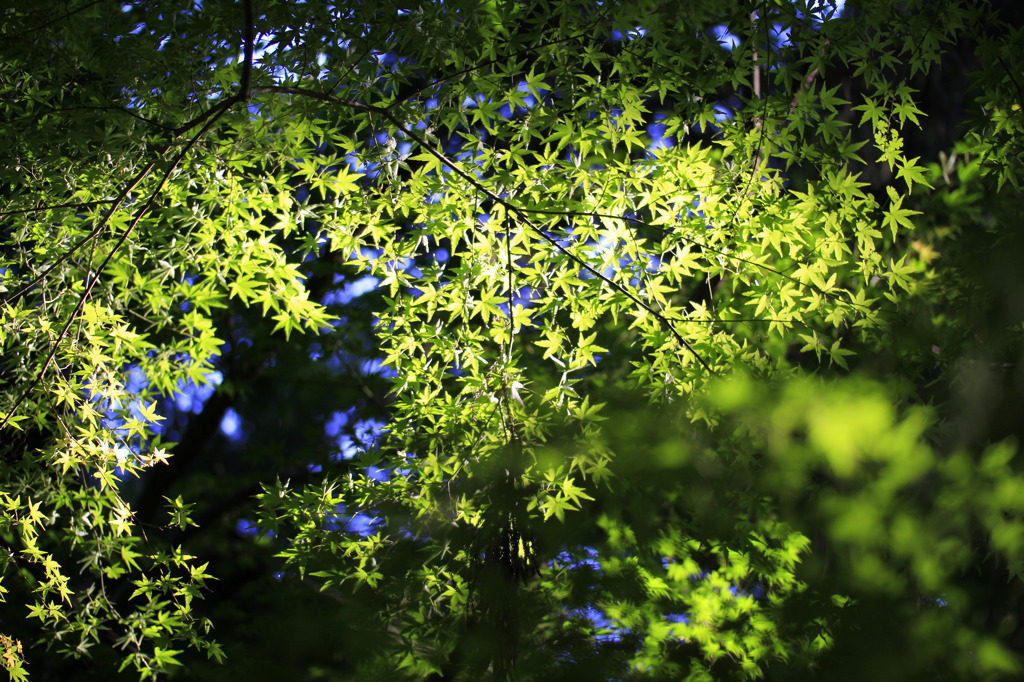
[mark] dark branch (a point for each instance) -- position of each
(250, 38)
(53, 207)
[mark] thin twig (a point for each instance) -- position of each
(690, 238)
(53, 207)
(86, 107)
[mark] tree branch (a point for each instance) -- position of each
(250, 37)
(52, 207)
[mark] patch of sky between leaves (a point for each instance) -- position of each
(190, 397)
(351, 290)
(780, 35)
(350, 442)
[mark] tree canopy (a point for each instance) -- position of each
(511, 339)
